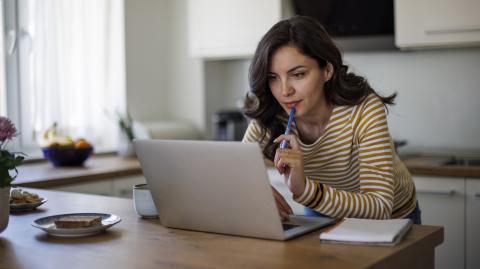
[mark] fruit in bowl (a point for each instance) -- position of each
(61, 156)
(62, 150)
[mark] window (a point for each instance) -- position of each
(66, 65)
(3, 93)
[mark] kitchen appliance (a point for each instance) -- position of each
(350, 17)
(230, 125)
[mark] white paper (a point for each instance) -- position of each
(367, 230)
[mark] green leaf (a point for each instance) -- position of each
(5, 178)
(9, 161)
(18, 160)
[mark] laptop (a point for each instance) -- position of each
(218, 187)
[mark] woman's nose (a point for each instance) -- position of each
(287, 89)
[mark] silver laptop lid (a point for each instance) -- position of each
(211, 186)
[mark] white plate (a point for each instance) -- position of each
(47, 224)
(26, 206)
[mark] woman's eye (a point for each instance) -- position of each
(299, 74)
(271, 78)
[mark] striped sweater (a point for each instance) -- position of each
(352, 170)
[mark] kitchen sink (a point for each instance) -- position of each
(462, 162)
(455, 161)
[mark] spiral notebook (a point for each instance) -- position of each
(367, 231)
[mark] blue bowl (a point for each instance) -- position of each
(67, 156)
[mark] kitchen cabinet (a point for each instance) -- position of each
(123, 187)
(118, 186)
(229, 29)
(473, 223)
(442, 202)
(100, 187)
(436, 23)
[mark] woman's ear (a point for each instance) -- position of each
(328, 71)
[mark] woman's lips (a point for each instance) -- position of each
(292, 104)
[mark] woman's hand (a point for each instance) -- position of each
(289, 163)
(283, 208)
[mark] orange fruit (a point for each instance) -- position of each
(82, 143)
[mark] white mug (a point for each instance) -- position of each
(143, 202)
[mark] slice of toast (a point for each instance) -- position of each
(77, 221)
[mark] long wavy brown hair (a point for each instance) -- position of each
(310, 38)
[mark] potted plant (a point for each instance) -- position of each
(8, 168)
(125, 123)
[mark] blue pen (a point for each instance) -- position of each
(284, 143)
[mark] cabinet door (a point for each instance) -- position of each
(123, 187)
(229, 28)
(101, 187)
(473, 223)
(442, 202)
(436, 23)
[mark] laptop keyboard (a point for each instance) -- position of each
(288, 226)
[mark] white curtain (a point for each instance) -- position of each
(3, 92)
(73, 67)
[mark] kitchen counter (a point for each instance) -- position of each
(143, 243)
(434, 165)
(44, 175)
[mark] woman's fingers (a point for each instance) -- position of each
(291, 138)
(280, 169)
(287, 158)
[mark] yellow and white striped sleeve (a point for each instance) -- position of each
(253, 133)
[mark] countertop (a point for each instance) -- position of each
(433, 165)
(143, 243)
(44, 175)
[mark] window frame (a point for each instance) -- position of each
(12, 79)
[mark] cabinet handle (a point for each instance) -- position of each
(125, 193)
(447, 192)
(452, 30)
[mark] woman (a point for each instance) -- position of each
(341, 161)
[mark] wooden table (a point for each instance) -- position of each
(142, 243)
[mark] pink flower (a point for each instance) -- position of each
(7, 129)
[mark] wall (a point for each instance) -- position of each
(438, 100)
(185, 80)
(146, 54)
(163, 81)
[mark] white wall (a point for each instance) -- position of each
(163, 81)
(185, 80)
(146, 39)
(438, 101)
